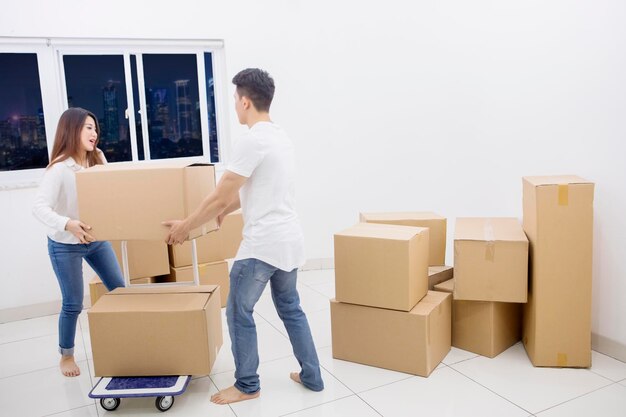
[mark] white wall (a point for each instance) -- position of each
(438, 105)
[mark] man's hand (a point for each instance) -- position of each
(179, 232)
(79, 229)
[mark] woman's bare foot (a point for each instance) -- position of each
(295, 376)
(232, 395)
(68, 366)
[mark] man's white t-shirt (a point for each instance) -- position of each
(271, 231)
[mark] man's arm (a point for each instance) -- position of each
(225, 196)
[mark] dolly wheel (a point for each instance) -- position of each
(164, 403)
(110, 404)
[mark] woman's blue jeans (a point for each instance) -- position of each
(67, 262)
(248, 279)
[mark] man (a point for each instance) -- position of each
(261, 180)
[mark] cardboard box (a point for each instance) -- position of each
(128, 201)
(146, 258)
(438, 274)
(414, 342)
(435, 223)
(484, 327)
(97, 288)
(381, 265)
(558, 219)
(156, 331)
(215, 273)
(490, 260)
(215, 246)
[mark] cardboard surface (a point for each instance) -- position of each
(487, 328)
(146, 258)
(435, 223)
(381, 265)
(215, 273)
(558, 220)
(97, 288)
(490, 260)
(128, 201)
(156, 331)
(438, 274)
(414, 342)
(216, 246)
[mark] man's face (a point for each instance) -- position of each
(239, 108)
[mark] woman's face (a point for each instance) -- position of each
(88, 135)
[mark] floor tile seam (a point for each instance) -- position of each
(462, 360)
(260, 363)
(384, 385)
(27, 338)
(577, 397)
(36, 370)
(70, 409)
(605, 377)
(492, 391)
(317, 405)
(218, 390)
(337, 378)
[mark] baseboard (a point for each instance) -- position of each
(35, 310)
(608, 347)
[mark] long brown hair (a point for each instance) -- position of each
(67, 138)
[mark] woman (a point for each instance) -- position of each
(69, 241)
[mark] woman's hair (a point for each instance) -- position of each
(67, 138)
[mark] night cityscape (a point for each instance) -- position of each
(96, 83)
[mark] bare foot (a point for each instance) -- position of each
(68, 366)
(295, 376)
(232, 395)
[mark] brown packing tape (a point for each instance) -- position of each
(561, 359)
(563, 194)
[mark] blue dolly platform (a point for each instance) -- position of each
(110, 390)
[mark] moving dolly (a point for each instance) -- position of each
(111, 390)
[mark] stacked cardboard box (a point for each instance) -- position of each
(558, 219)
(490, 282)
(383, 314)
(97, 288)
(484, 327)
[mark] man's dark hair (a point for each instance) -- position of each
(257, 85)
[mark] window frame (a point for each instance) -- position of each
(50, 52)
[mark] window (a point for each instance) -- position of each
(154, 100)
(23, 142)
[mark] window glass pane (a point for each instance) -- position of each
(96, 83)
(173, 107)
(210, 95)
(22, 130)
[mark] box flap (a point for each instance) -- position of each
(555, 180)
(400, 215)
(382, 231)
(489, 229)
(446, 286)
(165, 289)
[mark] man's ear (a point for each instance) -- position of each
(245, 103)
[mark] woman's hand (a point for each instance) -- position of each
(79, 229)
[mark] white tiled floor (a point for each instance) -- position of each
(464, 384)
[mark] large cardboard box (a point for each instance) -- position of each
(97, 288)
(215, 246)
(129, 201)
(439, 274)
(414, 342)
(558, 219)
(490, 260)
(146, 258)
(156, 331)
(381, 265)
(484, 327)
(215, 273)
(435, 223)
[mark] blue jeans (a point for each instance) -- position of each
(248, 278)
(67, 262)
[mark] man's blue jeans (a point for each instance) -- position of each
(248, 278)
(67, 262)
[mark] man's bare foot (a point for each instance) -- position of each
(232, 395)
(295, 376)
(68, 366)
